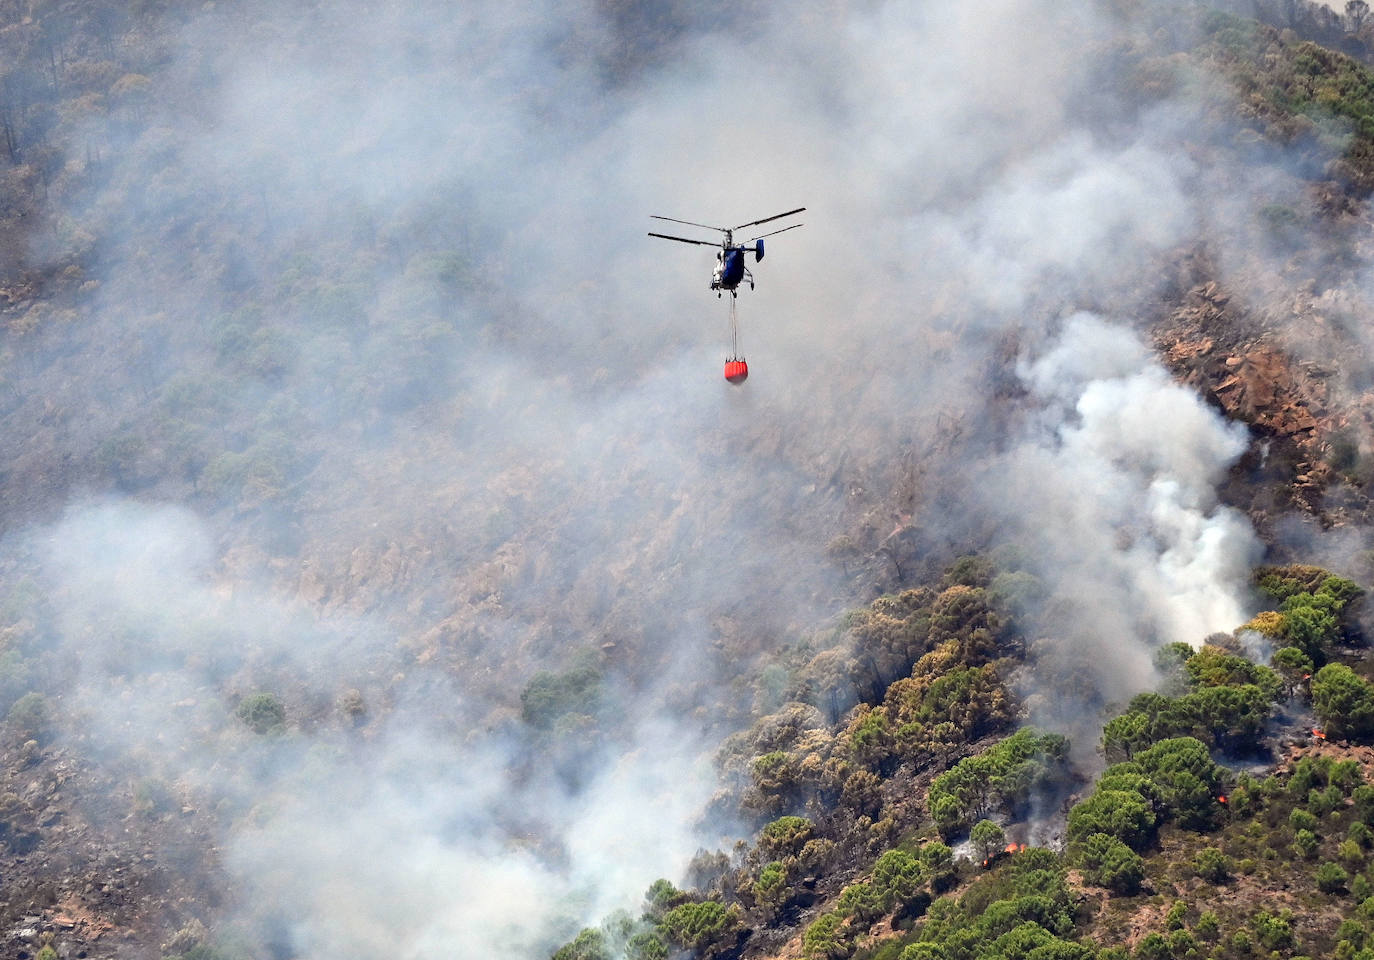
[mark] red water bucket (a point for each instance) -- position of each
(736, 371)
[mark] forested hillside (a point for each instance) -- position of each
(933, 824)
(385, 570)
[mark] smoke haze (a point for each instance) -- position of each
(398, 398)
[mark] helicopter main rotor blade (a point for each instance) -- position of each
(689, 223)
(783, 230)
(755, 223)
(701, 243)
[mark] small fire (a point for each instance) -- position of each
(1010, 848)
(1320, 735)
(1221, 799)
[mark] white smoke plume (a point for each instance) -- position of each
(1117, 447)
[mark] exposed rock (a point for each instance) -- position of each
(1236, 363)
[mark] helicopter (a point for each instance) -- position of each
(730, 270)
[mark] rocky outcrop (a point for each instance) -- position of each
(1247, 376)
(1241, 365)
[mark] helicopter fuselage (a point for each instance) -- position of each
(729, 269)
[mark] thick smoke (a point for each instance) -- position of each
(376, 300)
(347, 841)
(1114, 446)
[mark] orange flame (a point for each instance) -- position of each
(1221, 799)
(1318, 734)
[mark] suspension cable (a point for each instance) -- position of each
(734, 329)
